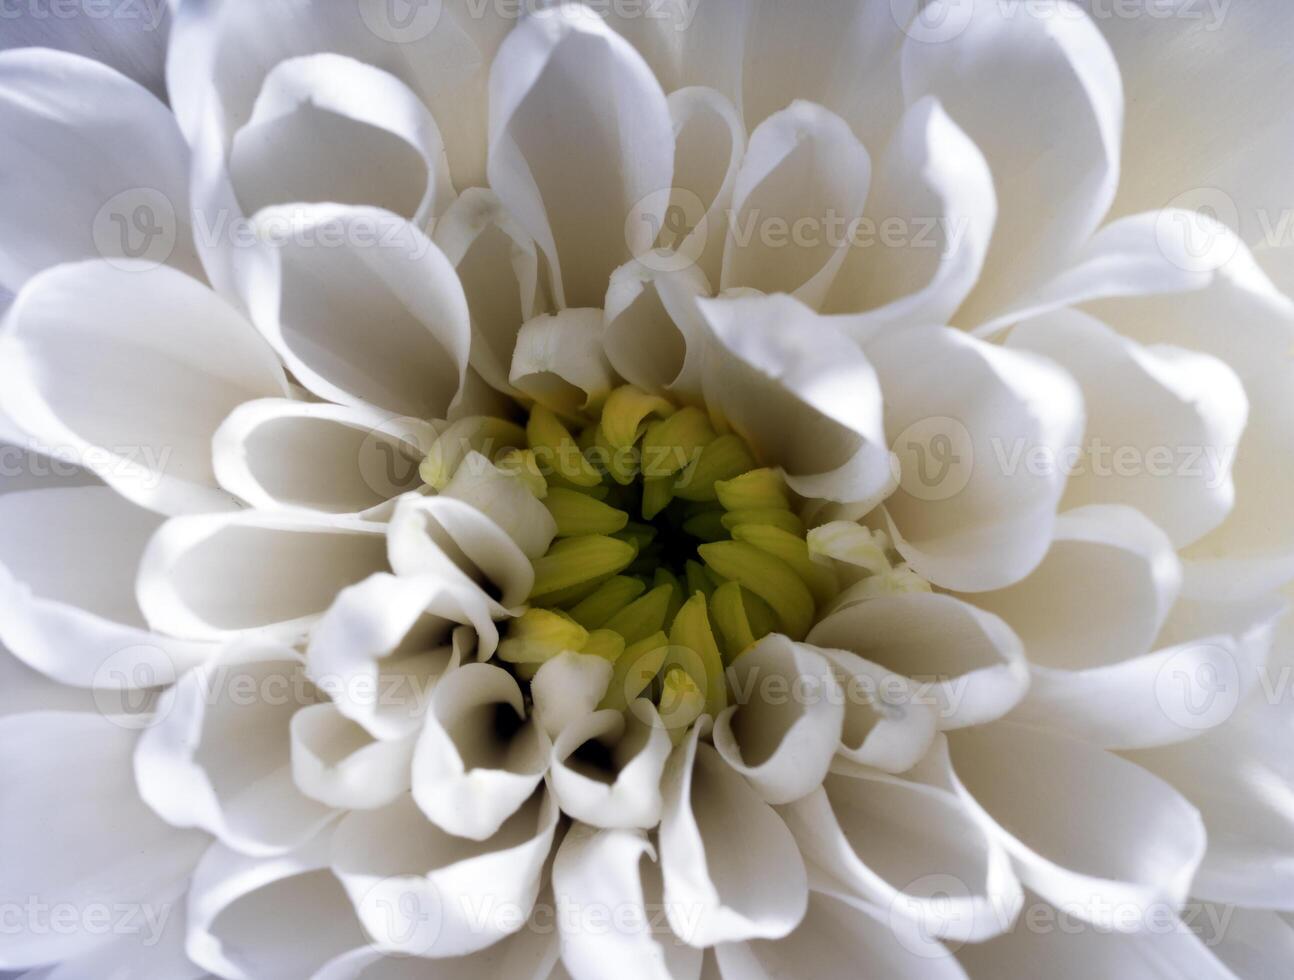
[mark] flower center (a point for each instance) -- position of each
(675, 550)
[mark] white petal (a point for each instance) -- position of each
(835, 939)
(147, 944)
(567, 688)
(67, 591)
(601, 871)
(802, 394)
(450, 538)
(338, 763)
(655, 335)
(969, 421)
(385, 642)
(422, 892)
(1086, 830)
(913, 850)
(58, 768)
(1163, 423)
(276, 453)
(926, 228)
(726, 879)
(218, 576)
(1253, 943)
(710, 141)
(788, 721)
(558, 361)
(478, 758)
(968, 663)
(506, 500)
(1059, 946)
(23, 689)
(94, 167)
(1038, 92)
(1238, 774)
(134, 45)
(279, 917)
(800, 189)
(525, 955)
(94, 362)
(620, 784)
(218, 754)
(498, 265)
(329, 128)
(581, 146)
(890, 721)
(365, 310)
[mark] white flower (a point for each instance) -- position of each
(741, 489)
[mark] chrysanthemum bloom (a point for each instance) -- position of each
(726, 488)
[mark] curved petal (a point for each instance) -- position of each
(385, 642)
(788, 720)
(607, 766)
(478, 758)
(492, 254)
(597, 871)
(559, 361)
(218, 576)
(714, 891)
(239, 907)
(1251, 942)
(801, 394)
(1163, 423)
(504, 498)
(926, 228)
(529, 954)
(93, 362)
(134, 45)
(422, 892)
(450, 538)
(341, 765)
(589, 183)
(912, 849)
(1054, 811)
(654, 334)
(1052, 143)
(329, 128)
(970, 422)
(797, 198)
(275, 453)
(218, 753)
(100, 146)
(67, 602)
(968, 663)
(340, 266)
(568, 688)
(132, 858)
(835, 937)
(1238, 774)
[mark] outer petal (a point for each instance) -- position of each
(422, 892)
(239, 907)
(966, 418)
(67, 595)
(336, 267)
(802, 394)
(218, 753)
(1079, 822)
(968, 663)
(797, 196)
(600, 870)
(1055, 186)
(220, 576)
(912, 849)
(590, 185)
(132, 858)
(714, 892)
(93, 362)
(926, 229)
(93, 166)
